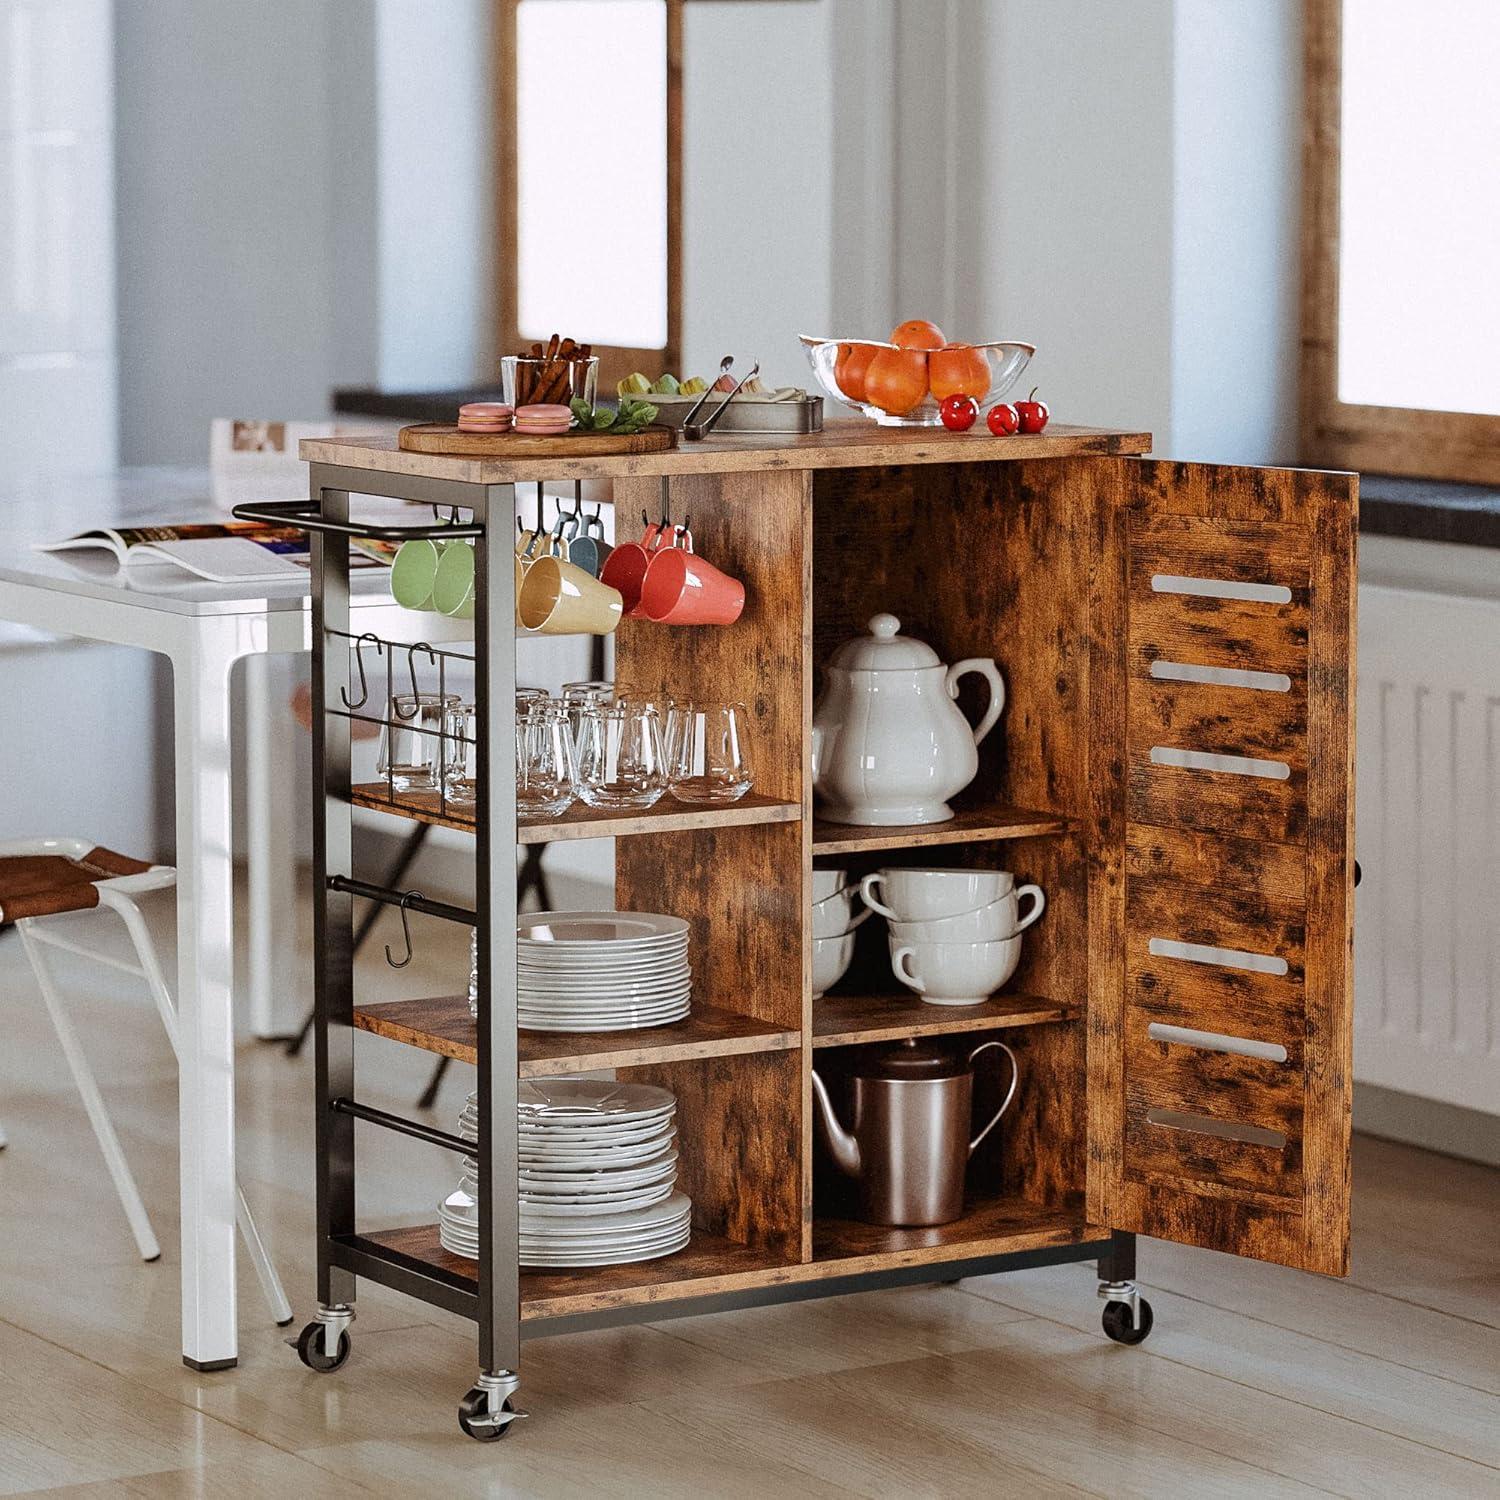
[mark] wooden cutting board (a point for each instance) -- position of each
(443, 438)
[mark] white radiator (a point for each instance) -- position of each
(1427, 915)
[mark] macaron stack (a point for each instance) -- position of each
(485, 416)
(543, 419)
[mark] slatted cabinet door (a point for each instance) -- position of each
(1221, 692)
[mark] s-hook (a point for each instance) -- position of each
(359, 658)
(406, 902)
(452, 520)
(411, 670)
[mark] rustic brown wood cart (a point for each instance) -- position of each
(1182, 1011)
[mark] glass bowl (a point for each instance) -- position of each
(525, 381)
(996, 365)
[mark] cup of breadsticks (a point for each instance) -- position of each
(556, 373)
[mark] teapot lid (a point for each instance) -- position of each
(915, 1060)
(883, 650)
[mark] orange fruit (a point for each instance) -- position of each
(850, 367)
(959, 370)
(918, 333)
(896, 380)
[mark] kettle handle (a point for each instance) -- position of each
(991, 674)
(1010, 1093)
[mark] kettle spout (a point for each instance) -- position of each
(841, 1145)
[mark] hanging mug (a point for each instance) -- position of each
(626, 568)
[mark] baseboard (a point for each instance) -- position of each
(1446, 1128)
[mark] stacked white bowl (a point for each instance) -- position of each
(955, 935)
(833, 919)
(598, 1175)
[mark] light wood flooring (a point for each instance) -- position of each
(1256, 1381)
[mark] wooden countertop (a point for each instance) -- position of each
(840, 445)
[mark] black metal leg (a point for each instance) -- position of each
(1119, 1263)
(406, 855)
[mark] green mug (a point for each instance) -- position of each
(414, 573)
(453, 583)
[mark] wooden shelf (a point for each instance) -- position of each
(708, 1264)
(972, 825)
(584, 822)
(711, 1265)
(444, 1025)
(994, 1227)
(849, 1020)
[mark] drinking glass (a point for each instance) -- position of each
(461, 778)
(410, 757)
(474, 974)
(621, 763)
(579, 696)
(546, 780)
(708, 751)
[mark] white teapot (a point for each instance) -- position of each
(890, 745)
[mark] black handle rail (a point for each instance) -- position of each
(411, 900)
(402, 1126)
(305, 515)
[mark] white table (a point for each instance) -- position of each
(203, 629)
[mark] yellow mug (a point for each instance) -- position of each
(558, 598)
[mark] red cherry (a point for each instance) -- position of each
(959, 412)
(1033, 413)
(1003, 420)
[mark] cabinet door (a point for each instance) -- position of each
(1221, 891)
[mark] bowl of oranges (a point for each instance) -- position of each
(904, 380)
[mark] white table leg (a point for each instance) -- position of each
(205, 1002)
(276, 981)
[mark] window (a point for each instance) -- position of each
(589, 156)
(1401, 226)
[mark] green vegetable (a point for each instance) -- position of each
(631, 416)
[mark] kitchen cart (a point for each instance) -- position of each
(1173, 766)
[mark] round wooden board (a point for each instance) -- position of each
(443, 438)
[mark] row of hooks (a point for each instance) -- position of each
(370, 638)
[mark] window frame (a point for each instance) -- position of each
(1447, 445)
(615, 361)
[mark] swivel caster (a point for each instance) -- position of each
(324, 1344)
(1121, 1327)
(486, 1412)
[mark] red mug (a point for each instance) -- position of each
(626, 566)
(681, 588)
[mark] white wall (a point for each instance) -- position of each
(57, 314)
(758, 257)
(1236, 178)
(240, 142)
(435, 220)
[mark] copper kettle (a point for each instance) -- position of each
(909, 1143)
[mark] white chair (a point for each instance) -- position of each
(45, 878)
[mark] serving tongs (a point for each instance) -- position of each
(697, 431)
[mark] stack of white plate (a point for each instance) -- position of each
(601, 970)
(598, 1176)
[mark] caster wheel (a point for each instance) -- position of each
(310, 1349)
(474, 1417)
(1117, 1322)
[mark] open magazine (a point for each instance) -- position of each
(222, 552)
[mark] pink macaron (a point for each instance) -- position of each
(485, 416)
(543, 417)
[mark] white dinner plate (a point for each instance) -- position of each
(548, 1099)
(590, 928)
(608, 1024)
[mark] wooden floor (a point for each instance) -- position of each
(1257, 1381)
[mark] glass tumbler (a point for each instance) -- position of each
(461, 778)
(546, 781)
(621, 762)
(708, 752)
(410, 756)
(579, 696)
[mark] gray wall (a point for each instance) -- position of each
(244, 208)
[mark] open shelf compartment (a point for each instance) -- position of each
(443, 1025)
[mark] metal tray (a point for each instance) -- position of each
(805, 415)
